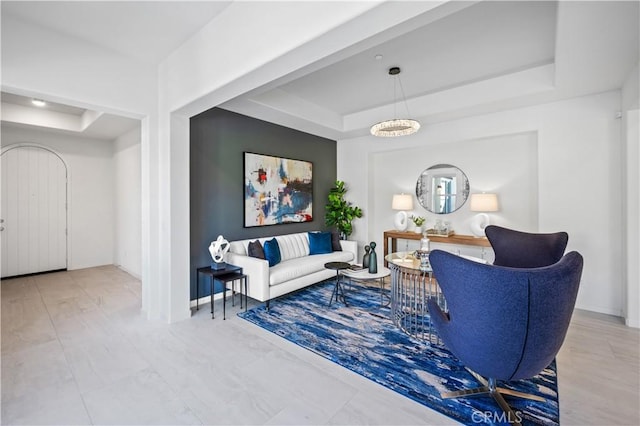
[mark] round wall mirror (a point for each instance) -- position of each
(442, 188)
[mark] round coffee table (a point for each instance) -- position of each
(364, 276)
(338, 291)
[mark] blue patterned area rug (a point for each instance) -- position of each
(362, 338)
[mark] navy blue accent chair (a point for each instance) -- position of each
(503, 323)
(523, 249)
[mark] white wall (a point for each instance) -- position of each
(128, 215)
(90, 196)
(579, 180)
(631, 199)
(504, 165)
(631, 90)
(632, 273)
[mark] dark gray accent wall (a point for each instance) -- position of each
(218, 140)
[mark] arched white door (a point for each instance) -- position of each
(33, 228)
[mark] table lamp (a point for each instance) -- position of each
(401, 202)
(482, 203)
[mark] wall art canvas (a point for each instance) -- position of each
(276, 190)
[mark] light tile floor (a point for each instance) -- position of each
(77, 350)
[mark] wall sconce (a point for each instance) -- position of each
(482, 203)
(401, 202)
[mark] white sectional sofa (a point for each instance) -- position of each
(297, 268)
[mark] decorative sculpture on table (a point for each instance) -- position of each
(365, 258)
(373, 258)
(218, 249)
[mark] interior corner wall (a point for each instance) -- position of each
(631, 136)
(632, 193)
(218, 139)
(90, 192)
(128, 196)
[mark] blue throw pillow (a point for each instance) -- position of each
(320, 242)
(272, 251)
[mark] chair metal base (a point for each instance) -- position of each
(490, 387)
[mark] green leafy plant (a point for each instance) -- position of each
(418, 220)
(339, 212)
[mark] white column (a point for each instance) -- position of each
(633, 219)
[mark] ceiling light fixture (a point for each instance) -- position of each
(38, 102)
(396, 126)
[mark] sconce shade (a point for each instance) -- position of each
(402, 202)
(484, 202)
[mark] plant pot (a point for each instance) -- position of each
(418, 230)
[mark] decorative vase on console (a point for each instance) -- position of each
(365, 258)
(373, 259)
(423, 253)
(425, 243)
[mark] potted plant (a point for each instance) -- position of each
(418, 221)
(339, 212)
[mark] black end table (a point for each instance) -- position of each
(338, 291)
(224, 279)
(230, 273)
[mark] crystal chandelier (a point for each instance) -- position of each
(396, 126)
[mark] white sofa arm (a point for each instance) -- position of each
(350, 246)
(257, 271)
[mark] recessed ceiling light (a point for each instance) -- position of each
(38, 102)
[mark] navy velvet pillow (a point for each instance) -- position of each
(319, 242)
(255, 250)
(272, 251)
(335, 242)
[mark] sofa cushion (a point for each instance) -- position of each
(272, 252)
(292, 269)
(255, 250)
(335, 241)
(319, 243)
(293, 246)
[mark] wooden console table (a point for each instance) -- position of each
(465, 240)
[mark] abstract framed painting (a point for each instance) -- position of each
(277, 190)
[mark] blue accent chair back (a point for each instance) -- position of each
(503, 323)
(519, 249)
